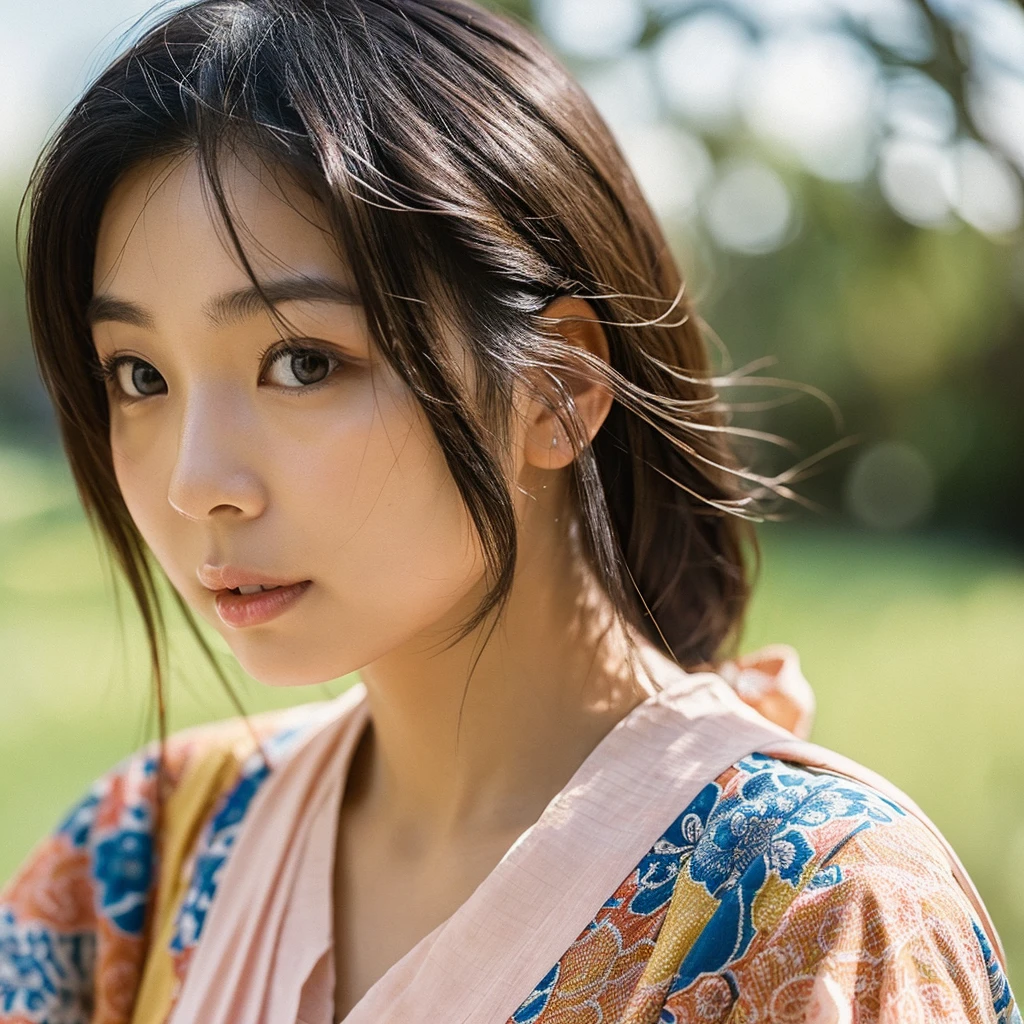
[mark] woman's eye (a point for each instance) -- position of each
(138, 379)
(297, 369)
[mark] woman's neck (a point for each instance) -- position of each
(479, 735)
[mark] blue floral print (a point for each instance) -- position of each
(731, 845)
(220, 836)
(1002, 999)
(657, 872)
(44, 972)
(123, 872)
(531, 1009)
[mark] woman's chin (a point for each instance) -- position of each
(280, 665)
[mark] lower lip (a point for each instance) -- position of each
(240, 610)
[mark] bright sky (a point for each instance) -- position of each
(48, 51)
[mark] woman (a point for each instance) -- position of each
(359, 331)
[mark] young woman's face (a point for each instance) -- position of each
(304, 464)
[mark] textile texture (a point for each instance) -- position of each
(779, 894)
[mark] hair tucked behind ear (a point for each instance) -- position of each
(468, 181)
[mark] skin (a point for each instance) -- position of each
(341, 482)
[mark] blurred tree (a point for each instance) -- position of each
(23, 409)
(842, 181)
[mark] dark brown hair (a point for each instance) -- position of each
(468, 180)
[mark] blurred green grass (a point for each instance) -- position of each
(915, 649)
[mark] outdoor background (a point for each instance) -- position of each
(841, 180)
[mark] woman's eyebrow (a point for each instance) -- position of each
(248, 302)
(230, 307)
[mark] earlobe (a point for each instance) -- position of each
(572, 321)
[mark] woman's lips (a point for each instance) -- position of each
(240, 610)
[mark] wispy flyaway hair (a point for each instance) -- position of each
(468, 181)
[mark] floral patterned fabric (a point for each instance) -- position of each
(74, 920)
(779, 894)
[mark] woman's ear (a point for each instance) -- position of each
(547, 444)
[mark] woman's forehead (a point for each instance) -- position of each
(161, 226)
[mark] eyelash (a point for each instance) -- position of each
(298, 346)
(107, 373)
(109, 365)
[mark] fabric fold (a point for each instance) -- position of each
(264, 956)
(270, 922)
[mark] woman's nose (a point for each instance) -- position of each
(215, 470)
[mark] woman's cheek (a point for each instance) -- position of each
(143, 467)
(359, 498)
(394, 522)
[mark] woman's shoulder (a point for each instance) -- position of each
(214, 757)
(818, 891)
(780, 887)
(75, 917)
(789, 815)
(205, 768)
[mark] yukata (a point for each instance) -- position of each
(702, 865)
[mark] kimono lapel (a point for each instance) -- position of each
(484, 961)
(271, 921)
(487, 957)
(266, 952)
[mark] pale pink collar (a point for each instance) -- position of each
(271, 919)
(266, 953)
(487, 957)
